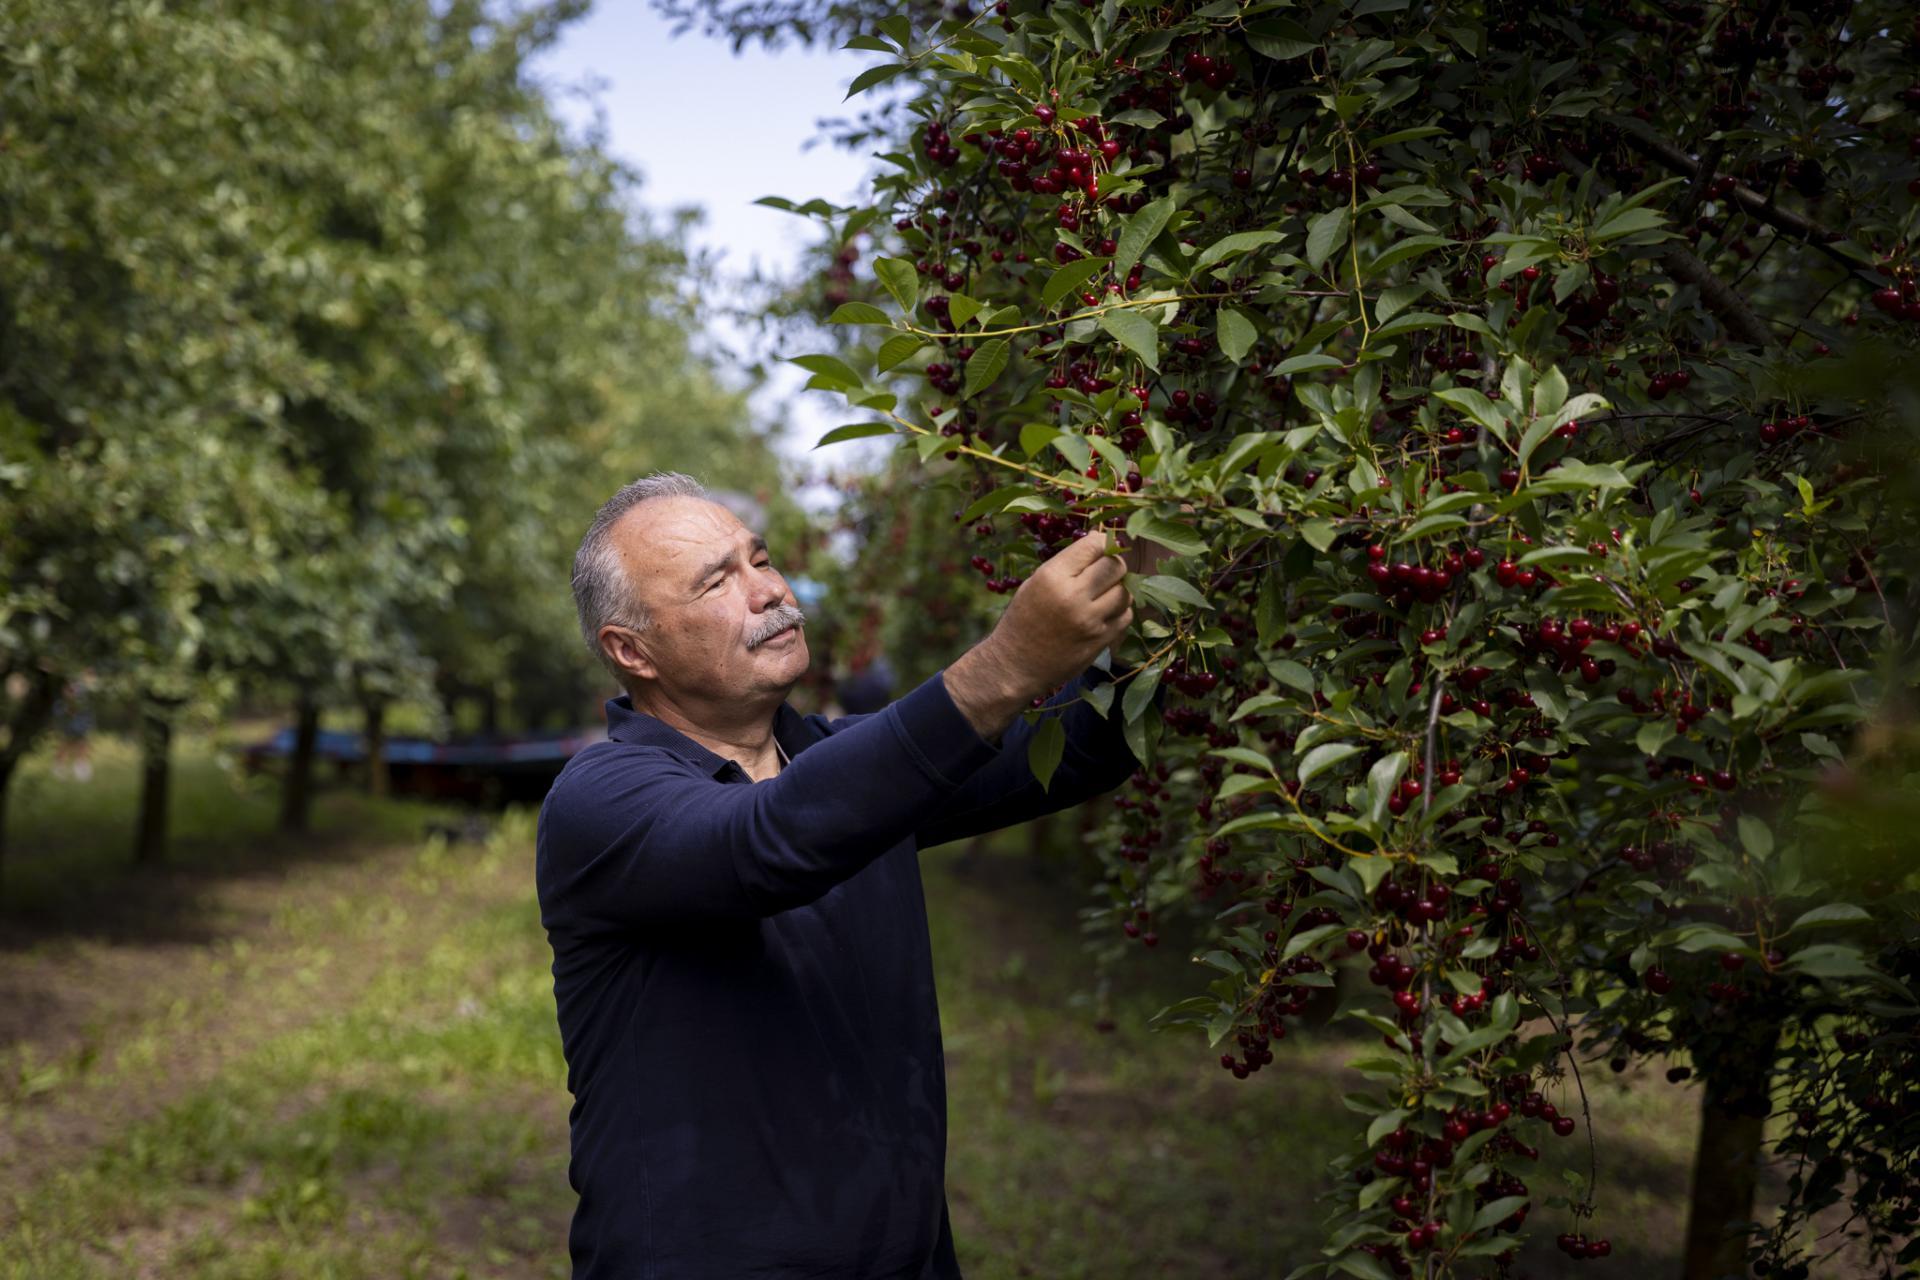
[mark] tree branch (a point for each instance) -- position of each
(1735, 312)
(1749, 201)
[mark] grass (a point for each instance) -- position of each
(350, 1068)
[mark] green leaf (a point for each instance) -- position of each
(1364, 1266)
(1833, 913)
(1139, 694)
(987, 363)
(1476, 406)
(899, 278)
(1140, 230)
(1830, 960)
(875, 75)
(1236, 333)
(830, 367)
(1627, 222)
(1045, 748)
(1327, 232)
(1324, 757)
(1653, 735)
(899, 347)
(1165, 590)
(1171, 534)
(1292, 674)
(1068, 279)
(1397, 299)
(1135, 332)
(961, 309)
(1227, 246)
(1319, 534)
(854, 431)
(1382, 779)
(1307, 937)
(1495, 1212)
(1305, 364)
(1244, 755)
(1279, 38)
(1756, 837)
(858, 313)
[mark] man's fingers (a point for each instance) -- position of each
(1107, 599)
(1085, 551)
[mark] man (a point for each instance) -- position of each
(733, 896)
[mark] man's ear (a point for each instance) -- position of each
(627, 650)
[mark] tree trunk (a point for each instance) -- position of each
(156, 751)
(1727, 1158)
(378, 782)
(296, 795)
(7, 764)
(31, 715)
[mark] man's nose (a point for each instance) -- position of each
(768, 589)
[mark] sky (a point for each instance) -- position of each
(714, 130)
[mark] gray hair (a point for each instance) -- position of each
(603, 594)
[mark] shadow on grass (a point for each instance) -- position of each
(1081, 1153)
(69, 873)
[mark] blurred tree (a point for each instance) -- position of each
(320, 340)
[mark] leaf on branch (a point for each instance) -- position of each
(1327, 232)
(1166, 591)
(1226, 246)
(1236, 333)
(1280, 39)
(1306, 364)
(1324, 757)
(831, 368)
(1068, 279)
(899, 347)
(1171, 534)
(987, 364)
(1833, 913)
(1045, 749)
(858, 313)
(899, 278)
(1141, 229)
(1139, 694)
(1136, 333)
(854, 431)
(874, 76)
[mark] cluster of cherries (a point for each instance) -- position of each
(1899, 299)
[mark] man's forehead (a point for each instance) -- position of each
(668, 534)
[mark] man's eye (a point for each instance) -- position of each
(711, 586)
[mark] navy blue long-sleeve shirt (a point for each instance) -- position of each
(745, 985)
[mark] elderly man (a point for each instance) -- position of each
(733, 896)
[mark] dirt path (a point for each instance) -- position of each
(178, 975)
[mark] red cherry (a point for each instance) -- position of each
(1563, 1126)
(1658, 981)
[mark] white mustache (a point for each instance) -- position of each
(776, 620)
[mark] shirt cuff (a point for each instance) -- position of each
(934, 732)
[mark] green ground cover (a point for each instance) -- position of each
(338, 1058)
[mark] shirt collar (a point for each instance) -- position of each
(637, 728)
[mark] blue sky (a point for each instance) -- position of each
(714, 130)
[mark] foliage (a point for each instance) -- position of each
(319, 343)
(1519, 390)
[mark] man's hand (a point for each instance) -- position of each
(1071, 608)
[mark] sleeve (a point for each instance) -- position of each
(1005, 792)
(627, 840)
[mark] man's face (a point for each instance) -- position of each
(714, 596)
